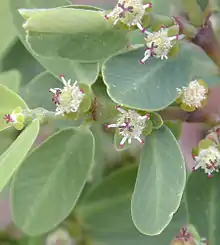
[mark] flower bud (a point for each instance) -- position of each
(16, 118)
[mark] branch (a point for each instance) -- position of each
(198, 116)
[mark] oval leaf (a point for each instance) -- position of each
(36, 92)
(49, 183)
(11, 79)
(7, 136)
(76, 34)
(9, 100)
(203, 197)
(106, 213)
(195, 13)
(56, 66)
(160, 183)
(151, 86)
(12, 158)
(6, 27)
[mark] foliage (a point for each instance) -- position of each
(101, 162)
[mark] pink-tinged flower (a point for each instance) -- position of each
(209, 160)
(184, 235)
(159, 44)
(129, 12)
(16, 118)
(67, 99)
(130, 125)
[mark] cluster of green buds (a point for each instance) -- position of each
(194, 96)
(16, 118)
(59, 237)
(207, 154)
(189, 236)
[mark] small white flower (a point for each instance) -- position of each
(159, 44)
(130, 125)
(194, 94)
(208, 160)
(129, 12)
(59, 237)
(203, 241)
(68, 98)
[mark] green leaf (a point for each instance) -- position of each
(49, 183)
(156, 120)
(6, 28)
(195, 14)
(32, 240)
(12, 158)
(151, 86)
(56, 66)
(203, 68)
(36, 92)
(54, 33)
(148, 128)
(203, 4)
(163, 7)
(103, 144)
(175, 127)
(106, 214)
(203, 196)
(11, 79)
(7, 137)
(8, 102)
(160, 183)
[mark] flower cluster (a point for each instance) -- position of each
(67, 99)
(59, 237)
(208, 159)
(159, 44)
(130, 125)
(129, 12)
(193, 96)
(16, 118)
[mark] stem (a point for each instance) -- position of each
(198, 116)
(207, 40)
(185, 28)
(44, 115)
